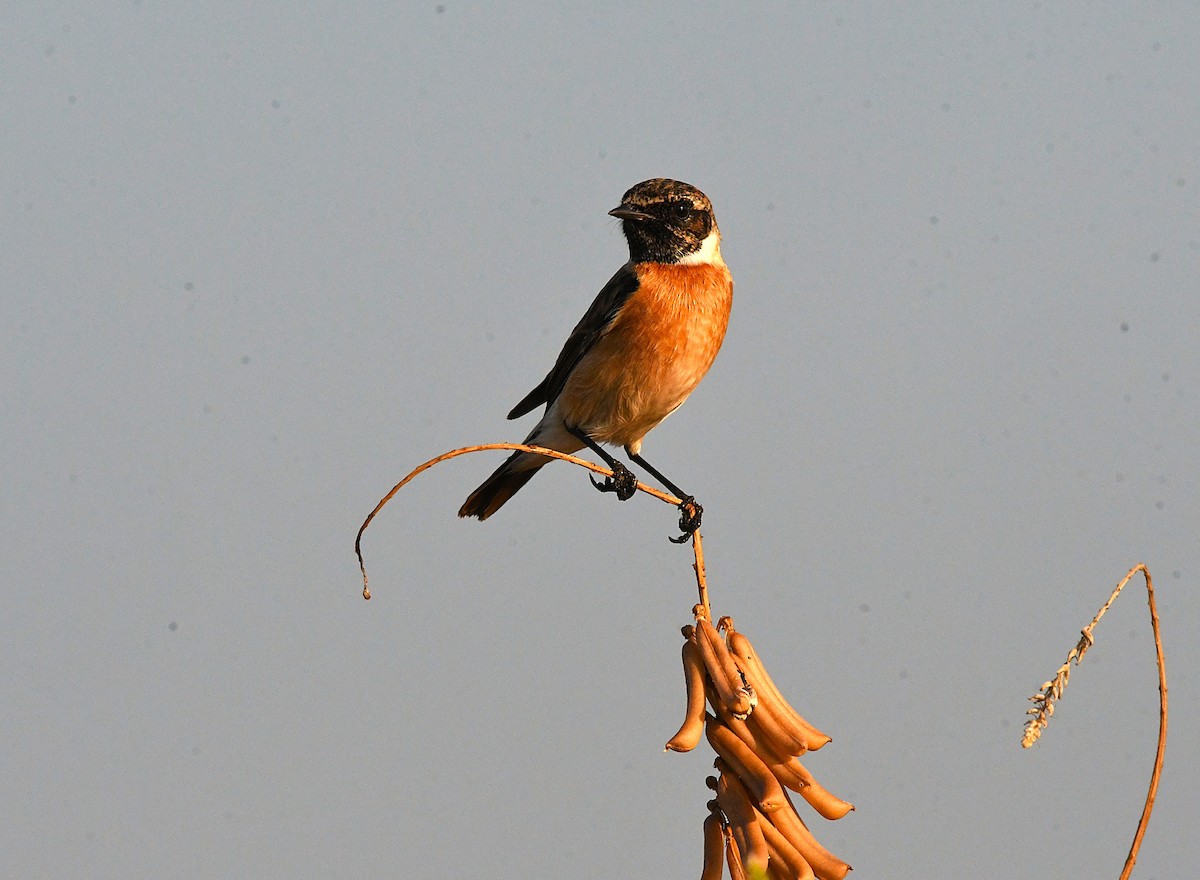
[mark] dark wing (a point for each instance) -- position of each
(593, 325)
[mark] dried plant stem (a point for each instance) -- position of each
(701, 579)
(1054, 689)
(519, 447)
(1131, 859)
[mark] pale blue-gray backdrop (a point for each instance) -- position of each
(258, 260)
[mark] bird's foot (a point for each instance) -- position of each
(690, 513)
(622, 481)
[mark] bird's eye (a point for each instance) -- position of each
(681, 210)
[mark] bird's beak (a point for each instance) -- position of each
(624, 212)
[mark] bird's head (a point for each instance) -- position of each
(666, 221)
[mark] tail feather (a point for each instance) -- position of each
(499, 487)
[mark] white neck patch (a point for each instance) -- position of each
(709, 253)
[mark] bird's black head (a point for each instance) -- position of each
(666, 221)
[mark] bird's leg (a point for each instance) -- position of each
(622, 481)
(690, 511)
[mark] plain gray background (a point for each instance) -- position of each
(260, 261)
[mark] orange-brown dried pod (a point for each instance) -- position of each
(830, 806)
(688, 736)
(768, 724)
(722, 670)
(733, 856)
(783, 853)
(748, 766)
(776, 870)
(787, 775)
(825, 864)
(739, 811)
(714, 849)
(748, 662)
(745, 731)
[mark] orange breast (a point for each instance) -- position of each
(657, 350)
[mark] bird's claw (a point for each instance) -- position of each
(690, 513)
(622, 481)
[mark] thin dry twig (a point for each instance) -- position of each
(701, 579)
(519, 447)
(1053, 690)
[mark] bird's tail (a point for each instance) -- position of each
(507, 480)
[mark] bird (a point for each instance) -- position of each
(641, 348)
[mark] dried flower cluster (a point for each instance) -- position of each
(759, 738)
(1043, 701)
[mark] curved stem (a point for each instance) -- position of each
(1131, 859)
(516, 447)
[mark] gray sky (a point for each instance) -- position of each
(259, 263)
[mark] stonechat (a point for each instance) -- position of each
(641, 348)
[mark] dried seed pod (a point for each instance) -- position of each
(748, 662)
(739, 811)
(783, 852)
(714, 849)
(825, 864)
(733, 856)
(754, 773)
(769, 725)
(777, 870)
(722, 670)
(692, 728)
(787, 775)
(828, 805)
(747, 732)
